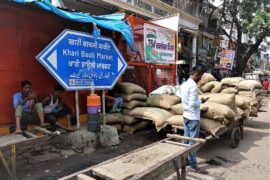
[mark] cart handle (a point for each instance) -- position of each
(200, 140)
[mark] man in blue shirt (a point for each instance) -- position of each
(27, 108)
(191, 104)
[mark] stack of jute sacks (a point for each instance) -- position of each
(248, 90)
(134, 96)
(221, 112)
(159, 105)
(223, 108)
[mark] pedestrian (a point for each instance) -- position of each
(27, 108)
(191, 104)
(266, 85)
(55, 108)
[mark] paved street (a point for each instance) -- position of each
(251, 160)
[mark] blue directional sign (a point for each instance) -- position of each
(78, 61)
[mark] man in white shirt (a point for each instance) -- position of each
(192, 112)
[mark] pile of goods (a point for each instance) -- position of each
(133, 96)
(245, 90)
(157, 110)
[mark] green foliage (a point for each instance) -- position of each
(255, 17)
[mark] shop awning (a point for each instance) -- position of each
(113, 22)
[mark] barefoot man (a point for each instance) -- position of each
(27, 108)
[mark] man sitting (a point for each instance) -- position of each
(27, 108)
(55, 107)
(114, 102)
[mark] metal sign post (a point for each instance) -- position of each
(77, 109)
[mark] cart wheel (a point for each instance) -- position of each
(235, 137)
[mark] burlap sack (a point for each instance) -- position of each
(241, 102)
(213, 127)
(230, 90)
(207, 87)
(248, 94)
(217, 111)
(118, 127)
(234, 81)
(247, 112)
(225, 99)
(125, 111)
(113, 118)
(134, 103)
(176, 120)
(249, 85)
(162, 101)
(217, 87)
(205, 79)
(129, 88)
(134, 96)
(157, 115)
(132, 129)
(178, 109)
(129, 120)
(250, 100)
(242, 114)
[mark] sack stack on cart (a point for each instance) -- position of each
(220, 113)
(208, 84)
(134, 96)
(158, 109)
(249, 90)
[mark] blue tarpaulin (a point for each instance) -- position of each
(112, 22)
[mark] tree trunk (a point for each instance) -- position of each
(242, 57)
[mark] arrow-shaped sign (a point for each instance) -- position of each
(78, 61)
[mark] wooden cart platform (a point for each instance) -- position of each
(155, 161)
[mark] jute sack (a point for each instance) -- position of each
(217, 87)
(162, 101)
(129, 120)
(118, 127)
(211, 126)
(241, 102)
(207, 87)
(125, 111)
(113, 118)
(249, 85)
(217, 111)
(178, 109)
(234, 81)
(248, 94)
(251, 101)
(134, 96)
(134, 103)
(132, 129)
(129, 88)
(225, 99)
(176, 120)
(247, 112)
(157, 115)
(205, 79)
(230, 90)
(242, 113)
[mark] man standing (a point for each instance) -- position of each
(191, 104)
(27, 108)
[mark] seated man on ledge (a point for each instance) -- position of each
(27, 108)
(114, 102)
(55, 107)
